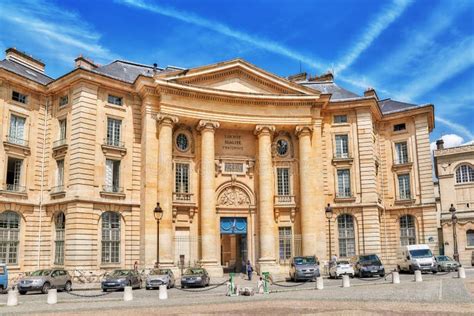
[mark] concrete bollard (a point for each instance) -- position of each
(395, 277)
(345, 281)
(461, 273)
(418, 277)
(52, 296)
(163, 292)
(127, 293)
(12, 298)
(319, 283)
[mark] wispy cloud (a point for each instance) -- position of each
(372, 32)
(216, 26)
(455, 127)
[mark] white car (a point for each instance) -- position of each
(340, 267)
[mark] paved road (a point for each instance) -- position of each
(436, 293)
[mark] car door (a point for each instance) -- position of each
(55, 279)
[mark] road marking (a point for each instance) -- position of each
(440, 291)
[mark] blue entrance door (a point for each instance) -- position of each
(233, 225)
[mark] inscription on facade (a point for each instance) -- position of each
(233, 142)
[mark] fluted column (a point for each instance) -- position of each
(266, 219)
(208, 222)
(165, 186)
(307, 193)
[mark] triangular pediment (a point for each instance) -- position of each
(237, 76)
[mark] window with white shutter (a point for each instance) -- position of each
(17, 130)
(342, 146)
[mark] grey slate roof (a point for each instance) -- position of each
(25, 72)
(337, 92)
(389, 106)
(125, 71)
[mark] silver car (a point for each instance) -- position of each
(43, 280)
(446, 263)
(304, 268)
(158, 277)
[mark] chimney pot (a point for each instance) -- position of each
(440, 144)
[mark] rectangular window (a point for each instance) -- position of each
(14, 175)
(285, 242)
(182, 178)
(112, 176)
(399, 127)
(404, 186)
(60, 172)
(62, 129)
(342, 146)
(64, 100)
(343, 183)
(114, 127)
(19, 97)
(9, 237)
(283, 180)
(338, 119)
(112, 99)
(401, 151)
(17, 130)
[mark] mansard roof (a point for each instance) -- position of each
(331, 87)
(388, 106)
(125, 70)
(25, 71)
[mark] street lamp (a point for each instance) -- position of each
(454, 219)
(158, 212)
(328, 210)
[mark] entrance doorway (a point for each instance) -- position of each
(233, 243)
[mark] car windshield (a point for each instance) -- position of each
(370, 260)
(342, 262)
(120, 273)
(442, 258)
(41, 273)
(194, 271)
(304, 260)
(158, 271)
(421, 253)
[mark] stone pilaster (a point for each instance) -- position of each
(208, 222)
(165, 187)
(266, 219)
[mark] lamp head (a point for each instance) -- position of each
(158, 212)
(328, 210)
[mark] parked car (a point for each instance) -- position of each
(367, 265)
(304, 268)
(446, 263)
(340, 267)
(43, 280)
(157, 277)
(472, 259)
(3, 278)
(416, 257)
(119, 279)
(195, 277)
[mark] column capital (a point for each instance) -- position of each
(302, 130)
(261, 129)
(166, 119)
(207, 125)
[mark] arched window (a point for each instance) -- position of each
(9, 237)
(464, 173)
(345, 224)
(470, 237)
(110, 237)
(407, 230)
(60, 225)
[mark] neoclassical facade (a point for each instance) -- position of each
(242, 162)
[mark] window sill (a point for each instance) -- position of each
(115, 107)
(12, 146)
(405, 202)
(114, 151)
(120, 195)
(340, 124)
(344, 199)
(14, 193)
(402, 166)
(341, 160)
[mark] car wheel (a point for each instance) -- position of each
(45, 288)
(361, 275)
(352, 275)
(104, 290)
(68, 287)
(382, 275)
(434, 271)
(22, 292)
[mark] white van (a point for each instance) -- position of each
(416, 257)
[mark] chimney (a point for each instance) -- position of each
(298, 77)
(326, 77)
(440, 144)
(14, 55)
(85, 63)
(370, 92)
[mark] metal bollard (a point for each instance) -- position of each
(127, 293)
(461, 273)
(395, 277)
(52, 296)
(266, 282)
(418, 277)
(12, 298)
(345, 281)
(319, 283)
(163, 292)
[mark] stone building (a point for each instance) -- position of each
(242, 162)
(455, 172)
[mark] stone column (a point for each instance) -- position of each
(307, 191)
(266, 218)
(208, 222)
(165, 187)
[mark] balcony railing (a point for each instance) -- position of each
(342, 156)
(344, 195)
(14, 188)
(179, 197)
(57, 189)
(401, 162)
(113, 143)
(404, 197)
(59, 143)
(284, 199)
(17, 141)
(112, 189)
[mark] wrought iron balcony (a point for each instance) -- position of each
(14, 188)
(57, 189)
(398, 162)
(113, 143)
(284, 200)
(112, 189)
(17, 141)
(183, 198)
(59, 143)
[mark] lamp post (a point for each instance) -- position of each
(328, 210)
(454, 220)
(158, 212)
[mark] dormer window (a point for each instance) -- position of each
(64, 100)
(399, 127)
(112, 99)
(19, 97)
(339, 119)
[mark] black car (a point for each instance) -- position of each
(367, 265)
(195, 277)
(119, 279)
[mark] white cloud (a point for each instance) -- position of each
(450, 140)
(455, 127)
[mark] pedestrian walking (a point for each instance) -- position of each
(135, 266)
(243, 268)
(249, 270)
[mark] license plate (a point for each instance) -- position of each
(374, 271)
(110, 284)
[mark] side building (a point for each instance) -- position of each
(243, 163)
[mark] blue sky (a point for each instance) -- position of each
(416, 51)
